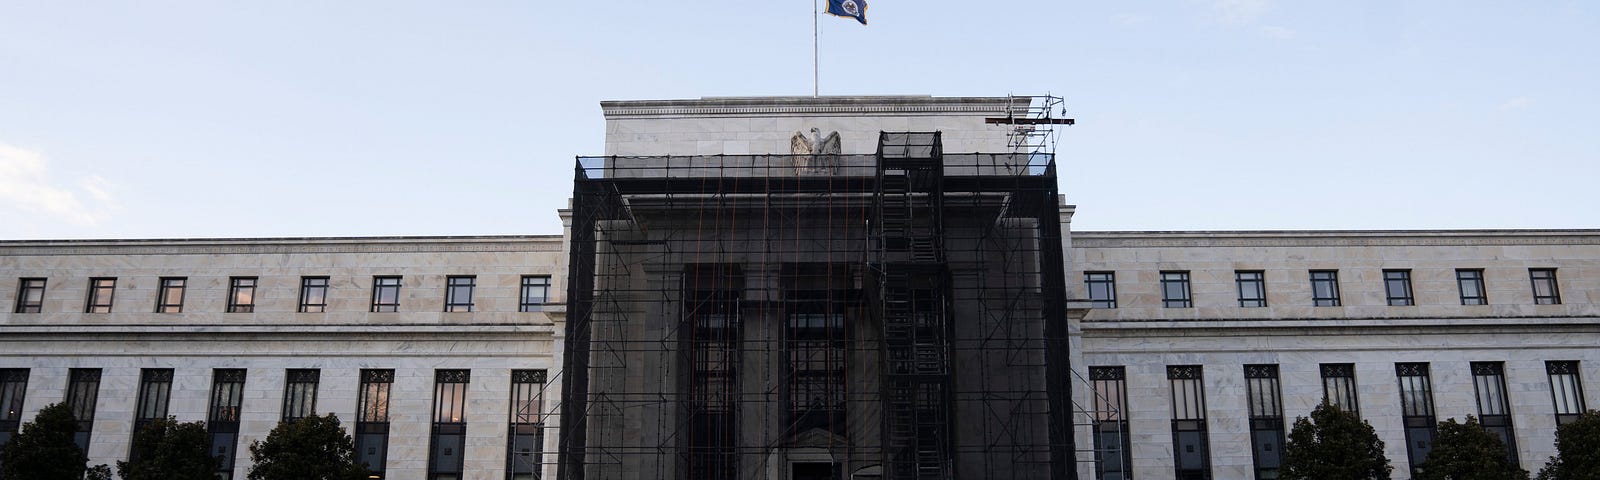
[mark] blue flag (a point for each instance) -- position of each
(856, 9)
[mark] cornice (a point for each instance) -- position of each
(1334, 238)
(550, 243)
(805, 106)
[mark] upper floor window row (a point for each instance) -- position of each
(1176, 291)
(533, 293)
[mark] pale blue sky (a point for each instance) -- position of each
(300, 118)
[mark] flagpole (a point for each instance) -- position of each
(816, 68)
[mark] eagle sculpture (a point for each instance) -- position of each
(815, 155)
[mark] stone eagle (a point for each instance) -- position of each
(817, 154)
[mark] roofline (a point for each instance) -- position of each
(898, 105)
(1338, 233)
(280, 240)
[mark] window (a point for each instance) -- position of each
(1325, 288)
(535, 292)
(1189, 439)
(818, 346)
(170, 298)
(385, 294)
(227, 397)
(1113, 455)
(1494, 409)
(458, 293)
(30, 295)
(1567, 390)
(83, 392)
(300, 393)
(1471, 283)
(372, 420)
(313, 294)
(1416, 411)
(1545, 291)
(449, 424)
(1397, 287)
(1264, 395)
(523, 457)
(1339, 386)
(13, 390)
(101, 290)
(1102, 289)
(1175, 290)
(155, 392)
(241, 295)
(1252, 288)
(713, 386)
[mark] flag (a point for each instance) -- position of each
(856, 9)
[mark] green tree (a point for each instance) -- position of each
(44, 449)
(1334, 444)
(311, 448)
(168, 450)
(1465, 451)
(1577, 450)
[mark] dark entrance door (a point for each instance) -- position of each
(812, 471)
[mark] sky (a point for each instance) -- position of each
(199, 119)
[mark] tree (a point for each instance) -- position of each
(167, 450)
(311, 448)
(44, 450)
(1465, 451)
(1334, 444)
(1577, 450)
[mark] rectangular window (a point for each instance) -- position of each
(817, 344)
(535, 292)
(1545, 291)
(169, 299)
(313, 294)
(222, 422)
(1339, 386)
(83, 392)
(13, 390)
(1252, 288)
(1189, 439)
(713, 384)
(1471, 283)
(1567, 389)
(155, 392)
(1397, 287)
(385, 294)
(458, 293)
(1494, 409)
(1102, 288)
(1325, 288)
(101, 291)
(241, 294)
(372, 420)
(1175, 290)
(300, 393)
(1264, 395)
(445, 450)
(523, 457)
(1416, 411)
(1113, 455)
(30, 295)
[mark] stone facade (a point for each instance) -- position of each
(419, 338)
(1219, 335)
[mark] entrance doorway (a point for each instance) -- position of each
(812, 471)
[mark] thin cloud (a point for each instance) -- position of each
(1280, 33)
(1517, 103)
(26, 187)
(1240, 12)
(1128, 19)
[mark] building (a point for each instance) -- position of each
(740, 293)
(430, 349)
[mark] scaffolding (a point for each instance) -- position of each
(896, 315)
